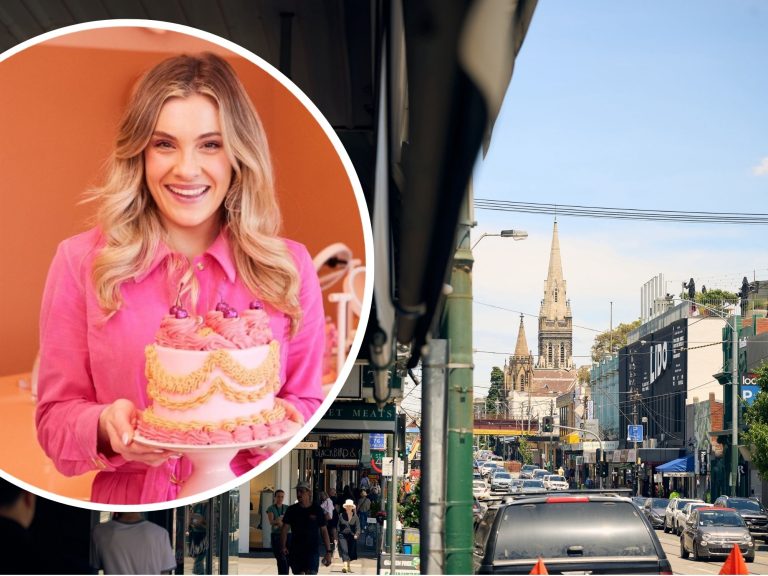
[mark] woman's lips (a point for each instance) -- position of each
(187, 191)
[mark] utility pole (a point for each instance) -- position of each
(456, 325)
(734, 404)
(636, 482)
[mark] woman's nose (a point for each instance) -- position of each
(188, 165)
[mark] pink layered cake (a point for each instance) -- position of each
(213, 380)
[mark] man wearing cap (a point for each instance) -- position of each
(306, 522)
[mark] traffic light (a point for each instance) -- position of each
(547, 424)
(604, 469)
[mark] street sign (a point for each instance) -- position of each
(377, 440)
(634, 433)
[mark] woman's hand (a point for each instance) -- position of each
(117, 425)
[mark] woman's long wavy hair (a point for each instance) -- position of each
(130, 219)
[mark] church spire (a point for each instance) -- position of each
(555, 322)
(521, 349)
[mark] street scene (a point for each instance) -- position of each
(544, 350)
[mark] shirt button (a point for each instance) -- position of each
(200, 266)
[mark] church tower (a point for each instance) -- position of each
(519, 372)
(555, 320)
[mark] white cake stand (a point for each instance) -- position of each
(210, 463)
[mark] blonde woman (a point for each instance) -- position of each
(349, 532)
(188, 212)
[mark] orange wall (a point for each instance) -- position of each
(59, 109)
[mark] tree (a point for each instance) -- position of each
(495, 392)
(616, 338)
(410, 509)
(756, 419)
(583, 374)
(525, 450)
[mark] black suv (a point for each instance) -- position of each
(586, 534)
(751, 510)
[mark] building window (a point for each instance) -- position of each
(562, 354)
(549, 354)
(555, 294)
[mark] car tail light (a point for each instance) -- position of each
(566, 499)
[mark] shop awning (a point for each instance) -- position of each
(679, 467)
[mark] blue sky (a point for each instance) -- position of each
(648, 105)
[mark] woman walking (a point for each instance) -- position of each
(349, 531)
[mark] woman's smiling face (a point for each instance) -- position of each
(187, 169)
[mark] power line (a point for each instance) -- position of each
(689, 217)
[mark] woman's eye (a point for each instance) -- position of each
(162, 144)
(212, 145)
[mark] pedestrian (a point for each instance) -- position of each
(187, 216)
(307, 524)
(375, 492)
(129, 544)
(560, 471)
(365, 483)
(329, 509)
(349, 532)
(275, 515)
(17, 510)
(363, 508)
(198, 539)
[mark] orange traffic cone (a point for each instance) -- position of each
(734, 564)
(539, 568)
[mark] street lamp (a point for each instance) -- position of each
(514, 234)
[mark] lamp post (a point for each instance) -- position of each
(514, 234)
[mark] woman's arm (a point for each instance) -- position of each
(303, 377)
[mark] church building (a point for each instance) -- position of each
(532, 388)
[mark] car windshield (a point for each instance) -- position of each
(558, 530)
(556, 479)
(659, 502)
(720, 518)
(681, 504)
(501, 475)
(533, 484)
(750, 505)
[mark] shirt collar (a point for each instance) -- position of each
(219, 251)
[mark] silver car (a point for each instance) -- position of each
(712, 532)
(500, 481)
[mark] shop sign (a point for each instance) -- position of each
(307, 446)
(404, 564)
(359, 416)
(339, 453)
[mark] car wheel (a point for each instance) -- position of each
(665, 526)
(696, 556)
(749, 557)
(683, 551)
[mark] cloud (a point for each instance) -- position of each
(762, 168)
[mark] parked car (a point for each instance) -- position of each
(480, 489)
(500, 480)
(555, 482)
(751, 510)
(512, 536)
(681, 516)
(654, 509)
(526, 470)
(677, 515)
(712, 532)
(478, 510)
(639, 501)
(669, 513)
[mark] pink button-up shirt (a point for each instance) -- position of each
(87, 363)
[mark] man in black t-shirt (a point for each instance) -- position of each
(307, 523)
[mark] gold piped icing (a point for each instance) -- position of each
(276, 414)
(266, 376)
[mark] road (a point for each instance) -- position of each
(671, 544)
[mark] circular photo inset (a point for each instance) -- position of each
(192, 237)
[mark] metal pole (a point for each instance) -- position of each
(456, 326)
(392, 520)
(735, 405)
(433, 419)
